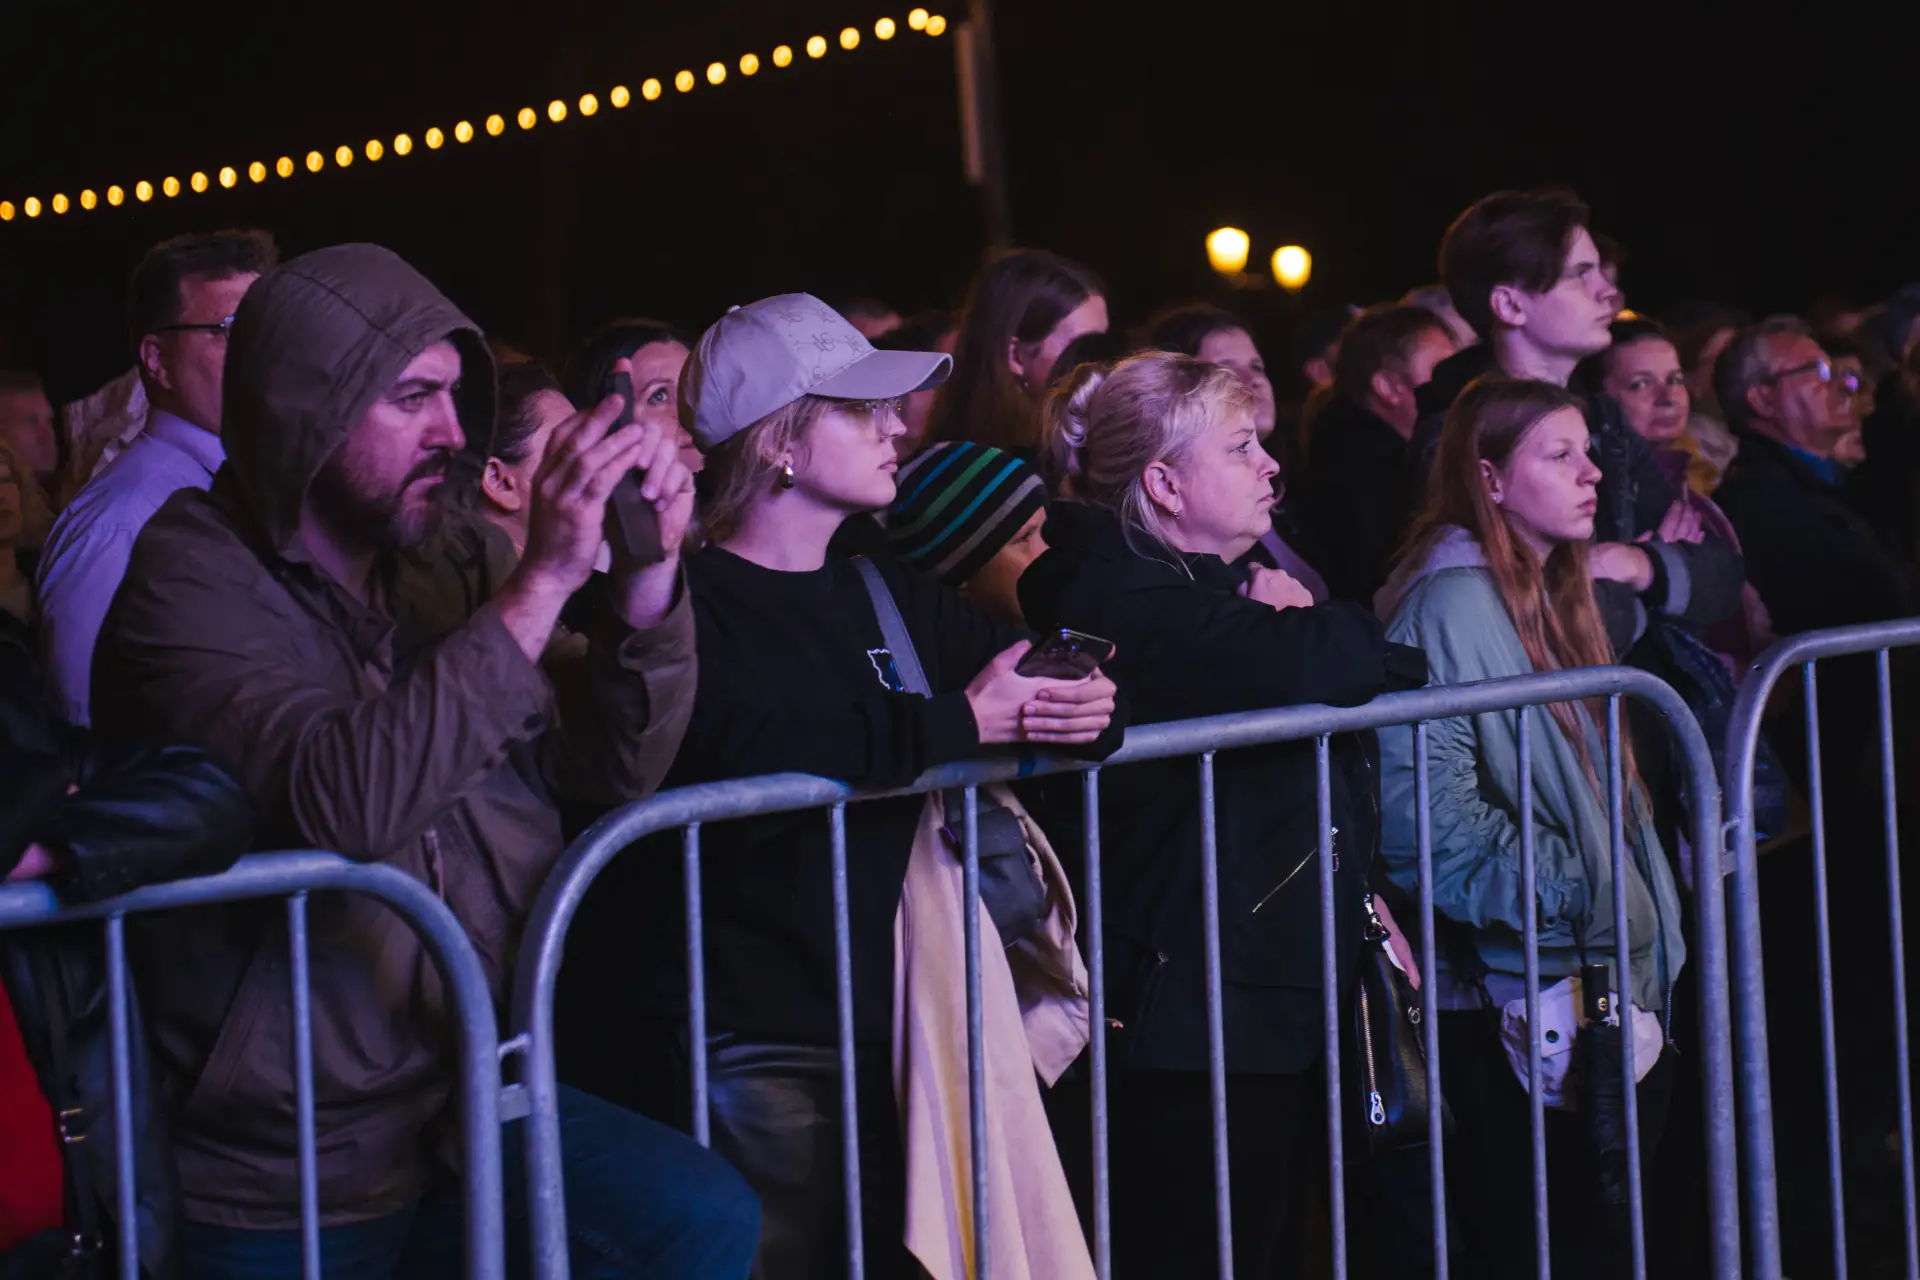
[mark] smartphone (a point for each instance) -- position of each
(632, 523)
(1065, 655)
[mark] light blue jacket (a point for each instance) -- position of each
(1449, 606)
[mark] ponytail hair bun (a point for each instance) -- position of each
(1067, 420)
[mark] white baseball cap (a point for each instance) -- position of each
(762, 357)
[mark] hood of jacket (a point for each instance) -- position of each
(314, 344)
(1456, 548)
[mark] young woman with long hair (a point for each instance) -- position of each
(1495, 583)
(797, 416)
(1168, 490)
(1023, 310)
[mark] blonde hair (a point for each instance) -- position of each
(1104, 427)
(36, 517)
(745, 467)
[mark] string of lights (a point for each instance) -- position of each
(465, 131)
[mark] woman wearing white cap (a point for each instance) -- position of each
(796, 414)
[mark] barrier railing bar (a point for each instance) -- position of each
(1617, 800)
(298, 971)
(1429, 1007)
(976, 1038)
(696, 986)
(275, 876)
(1884, 679)
(1330, 1009)
(1530, 937)
(849, 1085)
(1097, 1027)
(567, 885)
(120, 1033)
(1823, 959)
(1216, 1029)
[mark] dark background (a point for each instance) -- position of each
(1759, 156)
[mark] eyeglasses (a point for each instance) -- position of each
(1845, 379)
(223, 328)
(878, 408)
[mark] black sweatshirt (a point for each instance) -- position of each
(795, 676)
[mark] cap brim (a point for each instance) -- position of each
(882, 375)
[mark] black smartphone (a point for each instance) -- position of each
(632, 523)
(1065, 655)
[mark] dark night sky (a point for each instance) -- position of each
(1759, 159)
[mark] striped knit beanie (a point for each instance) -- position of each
(957, 504)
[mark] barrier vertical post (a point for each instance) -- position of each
(696, 986)
(1097, 1020)
(1536, 1084)
(1330, 1008)
(1823, 960)
(119, 1032)
(976, 1042)
(1216, 1032)
(1897, 925)
(849, 1086)
(1617, 806)
(1429, 1008)
(303, 1085)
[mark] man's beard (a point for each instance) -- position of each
(382, 522)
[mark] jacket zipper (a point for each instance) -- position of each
(1376, 1109)
(1300, 866)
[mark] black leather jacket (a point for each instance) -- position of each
(119, 816)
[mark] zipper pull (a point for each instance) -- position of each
(1376, 1110)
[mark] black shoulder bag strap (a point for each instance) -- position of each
(1010, 885)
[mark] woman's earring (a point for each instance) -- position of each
(1176, 513)
(786, 475)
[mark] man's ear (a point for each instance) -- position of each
(498, 484)
(1390, 388)
(151, 365)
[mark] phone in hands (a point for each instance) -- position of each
(632, 523)
(1065, 655)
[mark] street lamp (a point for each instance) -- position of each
(1292, 266)
(1227, 250)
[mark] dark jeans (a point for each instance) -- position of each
(1160, 1145)
(1490, 1163)
(642, 1201)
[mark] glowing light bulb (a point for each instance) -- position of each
(850, 38)
(343, 155)
(556, 111)
(683, 81)
(749, 64)
(315, 162)
(228, 178)
(588, 104)
(402, 144)
(32, 206)
(284, 166)
(783, 56)
(463, 132)
(816, 46)
(495, 125)
(716, 72)
(936, 25)
(917, 19)
(115, 196)
(650, 90)
(6, 211)
(1227, 250)
(59, 203)
(143, 191)
(257, 172)
(198, 181)
(527, 117)
(619, 97)
(171, 187)
(1292, 267)
(87, 199)
(435, 138)
(374, 149)
(884, 28)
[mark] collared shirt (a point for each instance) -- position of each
(86, 554)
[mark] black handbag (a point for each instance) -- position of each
(1387, 1076)
(1010, 883)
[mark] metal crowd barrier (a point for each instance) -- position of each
(294, 876)
(688, 808)
(1756, 1088)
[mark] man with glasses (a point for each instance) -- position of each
(1811, 554)
(179, 307)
